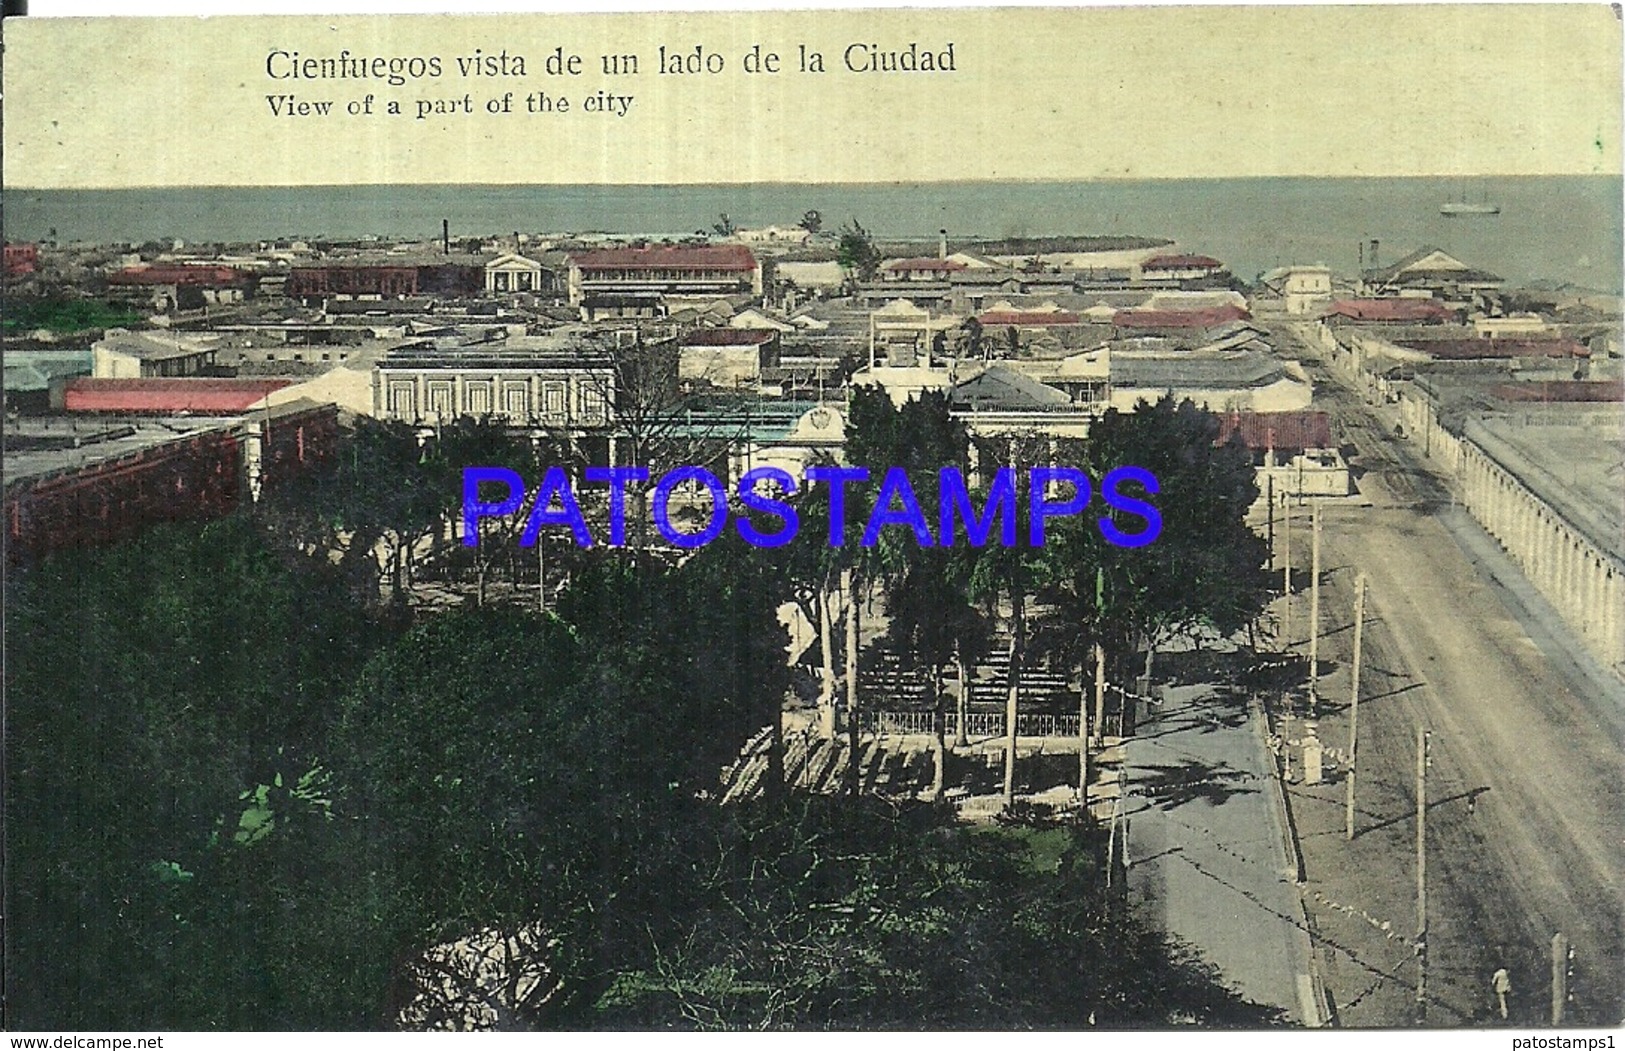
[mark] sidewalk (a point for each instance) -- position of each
(1207, 850)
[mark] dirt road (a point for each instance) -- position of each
(1526, 809)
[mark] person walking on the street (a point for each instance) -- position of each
(1501, 982)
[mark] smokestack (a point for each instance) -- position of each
(445, 236)
(516, 240)
(942, 244)
(1361, 247)
(1374, 263)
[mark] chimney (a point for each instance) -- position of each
(1361, 247)
(516, 240)
(1374, 263)
(942, 244)
(445, 236)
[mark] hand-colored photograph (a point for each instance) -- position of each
(959, 520)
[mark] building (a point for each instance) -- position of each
(1389, 312)
(182, 287)
(511, 273)
(69, 485)
(122, 354)
(727, 357)
(1176, 268)
(21, 259)
(903, 335)
(1430, 272)
(1293, 452)
(1552, 494)
(1539, 466)
(556, 385)
(166, 397)
(1177, 321)
(354, 281)
(1304, 289)
(669, 271)
(1221, 382)
(775, 235)
(921, 268)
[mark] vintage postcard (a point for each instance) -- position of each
(948, 519)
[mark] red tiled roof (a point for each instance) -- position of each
(667, 257)
(1277, 430)
(85, 394)
(1181, 262)
(176, 275)
(1207, 317)
(1029, 317)
(1389, 310)
(729, 337)
(925, 263)
(1468, 349)
(1562, 390)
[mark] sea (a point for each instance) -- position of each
(1550, 231)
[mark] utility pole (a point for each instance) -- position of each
(849, 584)
(1083, 731)
(1421, 875)
(1097, 732)
(1286, 575)
(1269, 503)
(1561, 954)
(1314, 610)
(541, 576)
(1354, 708)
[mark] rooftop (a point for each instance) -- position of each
(667, 257)
(1277, 430)
(1181, 262)
(155, 345)
(1389, 310)
(166, 396)
(36, 446)
(1192, 371)
(1468, 349)
(728, 337)
(1206, 317)
(1574, 467)
(1562, 391)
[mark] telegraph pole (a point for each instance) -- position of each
(1084, 733)
(849, 584)
(1269, 502)
(1421, 875)
(1097, 732)
(1286, 576)
(1354, 708)
(1314, 609)
(1560, 976)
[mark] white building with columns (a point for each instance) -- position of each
(1551, 491)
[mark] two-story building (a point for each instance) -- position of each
(669, 271)
(539, 382)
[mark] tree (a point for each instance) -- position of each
(1206, 569)
(856, 252)
(724, 226)
(813, 913)
(812, 221)
(166, 694)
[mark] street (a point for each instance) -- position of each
(1206, 847)
(1526, 831)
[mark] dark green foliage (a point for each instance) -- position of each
(150, 684)
(1207, 567)
(824, 913)
(856, 252)
(66, 315)
(235, 801)
(513, 769)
